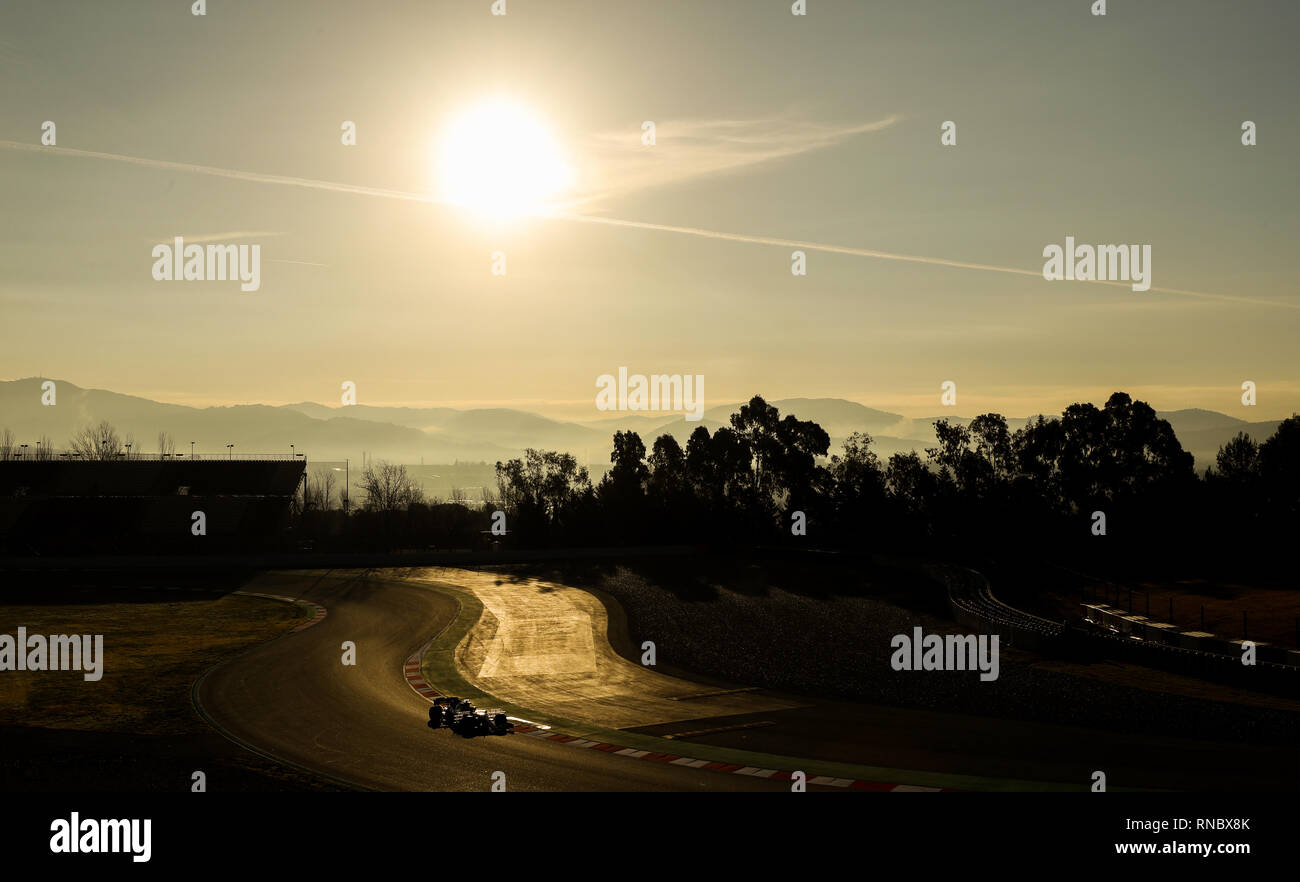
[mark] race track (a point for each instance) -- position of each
(294, 700)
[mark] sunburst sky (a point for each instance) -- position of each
(822, 129)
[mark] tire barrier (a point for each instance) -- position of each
(974, 606)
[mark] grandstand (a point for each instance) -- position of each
(67, 505)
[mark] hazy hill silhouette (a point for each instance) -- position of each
(444, 434)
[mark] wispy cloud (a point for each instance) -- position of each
(616, 162)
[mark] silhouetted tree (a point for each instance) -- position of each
(388, 487)
(783, 452)
(1238, 460)
(856, 489)
(1279, 471)
(993, 445)
(628, 473)
(320, 489)
(44, 448)
(544, 492)
(1037, 448)
(668, 479)
(622, 492)
(100, 441)
(912, 486)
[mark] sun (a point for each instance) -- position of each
(499, 161)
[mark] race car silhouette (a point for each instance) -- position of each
(463, 718)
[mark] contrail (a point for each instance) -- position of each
(355, 189)
(297, 262)
(793, 243)
(886, 255)
(255, 177)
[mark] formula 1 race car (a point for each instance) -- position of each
(464, 719)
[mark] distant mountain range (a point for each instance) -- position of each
(445, 435)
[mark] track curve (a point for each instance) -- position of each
(293, 700)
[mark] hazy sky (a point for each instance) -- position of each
(822, 129)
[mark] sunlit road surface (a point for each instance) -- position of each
(547, 647)
(294, 700)
(544, 646)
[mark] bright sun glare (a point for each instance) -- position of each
(500, 162)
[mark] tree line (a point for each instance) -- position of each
(1110, 482)
(1115, 476)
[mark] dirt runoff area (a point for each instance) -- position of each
(134, 728)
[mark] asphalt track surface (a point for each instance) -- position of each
(292, 699)
(547, 647)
